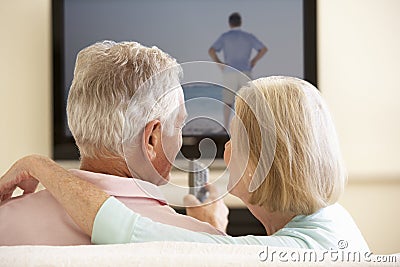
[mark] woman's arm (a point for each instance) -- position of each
(105, 218)
(115, 224)
(81, 199)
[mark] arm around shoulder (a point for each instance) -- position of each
(80, 199)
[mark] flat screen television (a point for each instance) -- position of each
(185, 29)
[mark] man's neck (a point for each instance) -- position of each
(235, 28)
(111, 166)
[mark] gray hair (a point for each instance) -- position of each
(108, 77)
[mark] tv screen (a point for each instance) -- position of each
(185, 29)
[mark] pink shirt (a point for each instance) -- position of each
(38, 219)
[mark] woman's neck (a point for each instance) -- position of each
(272, 221)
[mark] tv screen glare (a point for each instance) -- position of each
(185, 29)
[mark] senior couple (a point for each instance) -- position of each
(293, 194)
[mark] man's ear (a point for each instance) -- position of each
(152, 139)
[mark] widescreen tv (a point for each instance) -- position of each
(185, 29)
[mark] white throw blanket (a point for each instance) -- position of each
(165, 254)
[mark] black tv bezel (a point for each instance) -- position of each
(64, 147)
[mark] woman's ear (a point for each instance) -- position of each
(152, 139)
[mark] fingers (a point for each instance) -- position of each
(16, 176)
(191, 201)
(213, 191)
(7, 195)
(29, 186)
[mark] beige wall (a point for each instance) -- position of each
(358, 60)
(25, 107)
(358, 63)
(358, 66)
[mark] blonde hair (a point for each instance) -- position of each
(107, 75)
(306, 172)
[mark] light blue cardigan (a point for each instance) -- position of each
(329, 228)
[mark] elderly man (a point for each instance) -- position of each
(108, 77)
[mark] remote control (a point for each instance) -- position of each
(198, 177)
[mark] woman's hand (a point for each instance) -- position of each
(213, 210)
(19, 175)
(80, 199)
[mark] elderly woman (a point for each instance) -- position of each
(290, 178)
